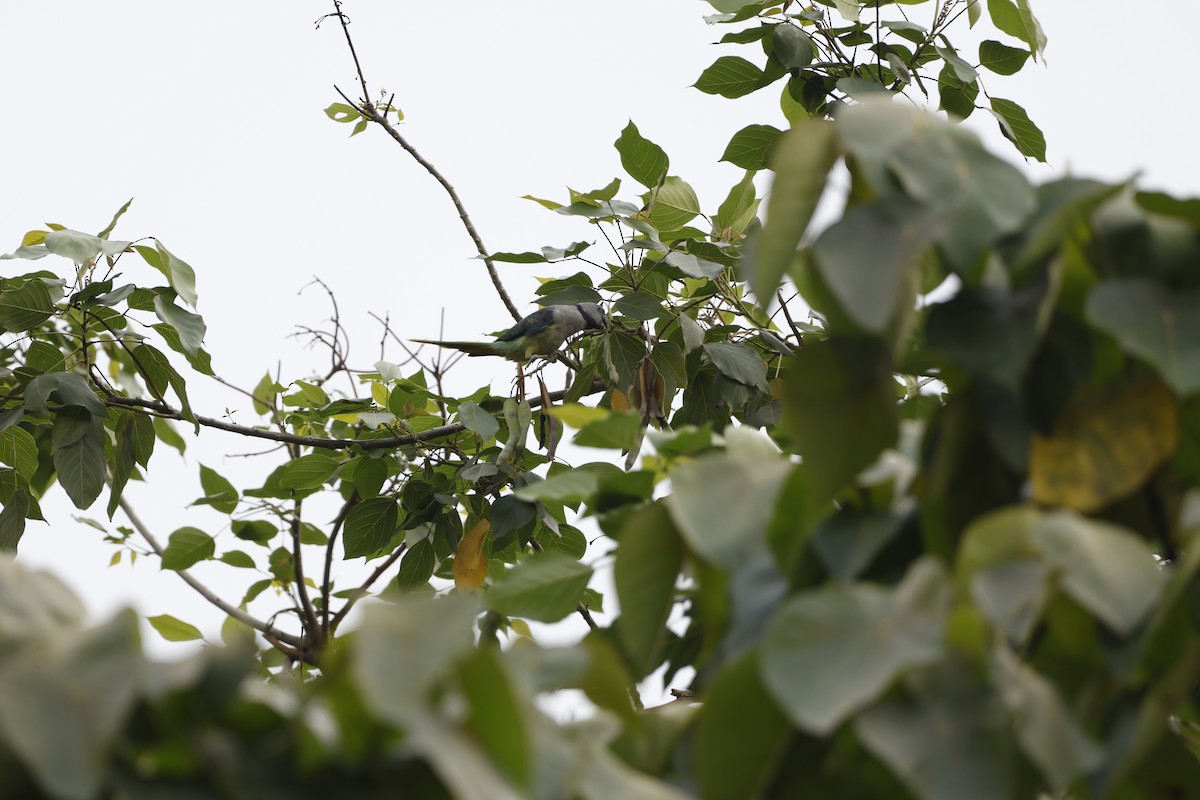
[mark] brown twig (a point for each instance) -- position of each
(241, 616)
(365, 587)
(327, 584)
(307, 614)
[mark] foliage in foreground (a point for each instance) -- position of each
(978, 579)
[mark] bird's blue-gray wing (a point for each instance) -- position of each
(531, 325)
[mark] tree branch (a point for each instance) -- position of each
(233, 611)
(366, 586)
(165, 410)
(369, 111)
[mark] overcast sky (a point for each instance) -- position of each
(211, 119)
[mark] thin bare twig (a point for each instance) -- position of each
(307, 614)
(327, 584)
(233, 611)
(366, 586)
(371, 112)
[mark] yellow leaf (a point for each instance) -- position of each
(33, 237)
(1105, 445)
(620, 402)
(347, 418)
(470, 565)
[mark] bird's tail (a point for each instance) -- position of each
(470, 348)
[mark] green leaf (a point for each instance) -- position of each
(1019, 129)
(619, 431)
(258, 531)
(722, 503)
(848, 541)
(792, 47)
(1159, 325)
(648, 561)
(25, 307)
(19, 450)
(497, 715)
(79, 247)
(730, 76)
(801, 159)
(739, 363)
(218, 492)
(369, 526)
(476, 419)
(749, 147)
(941, 737)
(167, 434)
(179, 274)
(12, 520)
(570, 486)
(186, 547)
(867, 258)
(1016, 19)
(640, 306)
(308, 472)
(739, 208)
(340, 112)
(956, 97)
(174, 630)
(962, 69)
(419, 638)
(190, 327)
(545, 587)
(645, 161)
(416, 568)
(840, 406)
(1000, 58)
(66, 388)
(673, 204)
(80, 463)
(237, 558)
(1050, 736)
(850, 643)
(741, 736)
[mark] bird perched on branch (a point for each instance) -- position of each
(539, 334)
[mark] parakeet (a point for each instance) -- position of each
(539, 334)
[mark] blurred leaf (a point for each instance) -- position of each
(1105, 445)
(741, 735)
(945, 740)
(1153, 323)
(497, 715)
(571, 486)
(545, 587)
(174, 630)
(801, 160)
(647, 565)
(618, 431)
(792, 47)
(849, 540)
(849, 643)
(840, 406)
(1047, 732)
(722, 504)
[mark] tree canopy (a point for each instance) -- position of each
(902, 503)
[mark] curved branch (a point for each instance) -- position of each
(370, 112)
(164, 410)
(233, 611)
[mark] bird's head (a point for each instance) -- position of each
(594, 317)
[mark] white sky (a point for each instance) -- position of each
(212, 120)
